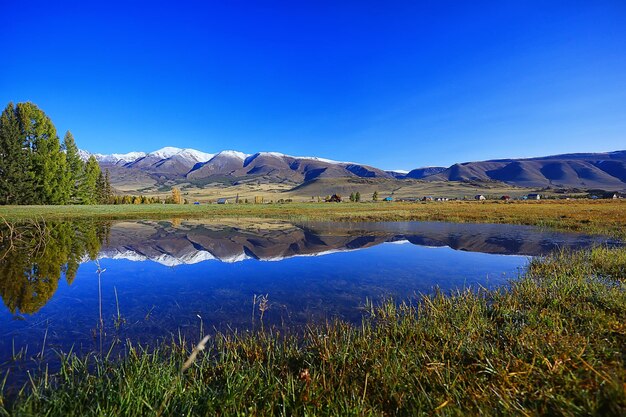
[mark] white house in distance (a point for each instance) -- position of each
(222, 201)
(534, 197)
(479, 197)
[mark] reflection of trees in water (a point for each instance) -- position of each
(34, 256)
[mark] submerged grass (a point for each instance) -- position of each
(552, 343)
(600, 216)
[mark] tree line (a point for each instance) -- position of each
(36, 168)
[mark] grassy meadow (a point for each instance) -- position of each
(553, 343)
(590, 216)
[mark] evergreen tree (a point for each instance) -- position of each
(357, 196)
(75, 166)
(48, 162)
(352, 197)
(375, 196)
(108, 191)
(87, 192)
(16, 181)
(100, 189)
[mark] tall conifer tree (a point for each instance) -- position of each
(108, 190)
(16, 182)
(88, 193)
(48, 162)
(75, 166)
(100, 189)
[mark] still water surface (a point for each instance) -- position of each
(162, 278)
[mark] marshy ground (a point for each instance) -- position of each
(591, 216)
(553, 343)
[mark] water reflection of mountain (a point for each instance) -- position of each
(191, 242)
(34, 257)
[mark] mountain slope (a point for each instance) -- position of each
(175, 165)
(590, 170)
(420, 173)
(223, 163)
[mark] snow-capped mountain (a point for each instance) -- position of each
(233, 154)
(171, 163)
(119, 158)
(84, 155)
(589, 170)
(189, 154)
(193, 154)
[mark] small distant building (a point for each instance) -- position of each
(335, 198)
(479, 197)
(505, 198)
(427, 198)
(388, 199)
(533, 197)
(196, 203)
(222, 201)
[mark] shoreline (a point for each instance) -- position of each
(599, 217)
(559, 328)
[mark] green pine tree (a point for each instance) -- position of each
(100, 189)
(87, 191)
(48, 162)
(74, 165)
(16, 179)
(375, 196)
(108, 190)
(357, 196)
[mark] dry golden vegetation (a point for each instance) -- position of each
(407, 188)
(591, 216)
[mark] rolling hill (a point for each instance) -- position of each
(170, 165)
(584, 170)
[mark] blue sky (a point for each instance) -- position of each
(397, 85)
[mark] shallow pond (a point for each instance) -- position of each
(81, 285)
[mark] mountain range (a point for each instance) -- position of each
(581, 170)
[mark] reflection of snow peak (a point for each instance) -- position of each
(171, 260)
(235, 258)
(302, 255)
(200, 256)
(163, 259)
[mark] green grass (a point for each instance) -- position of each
(553, 343)
(603, 216)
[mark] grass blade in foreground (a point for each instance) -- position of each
(554, 343)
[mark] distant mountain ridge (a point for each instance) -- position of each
(175, 163)
(580, 170)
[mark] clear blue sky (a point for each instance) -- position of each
(393, 84)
